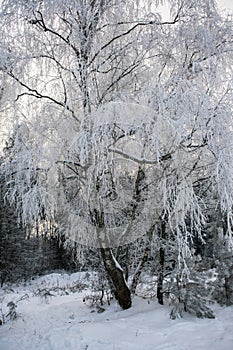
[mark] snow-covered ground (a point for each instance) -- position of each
(62, 321)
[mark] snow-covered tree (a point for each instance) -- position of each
(126, 118)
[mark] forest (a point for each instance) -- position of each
(116, 152)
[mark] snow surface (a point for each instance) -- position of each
(63, 321)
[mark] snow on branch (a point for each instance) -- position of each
(142, 161)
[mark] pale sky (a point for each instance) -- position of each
(225, 4)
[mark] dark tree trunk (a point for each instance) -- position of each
(161, 276)
(112, 267)
(229, 288)
(115, 273)
(161, 264)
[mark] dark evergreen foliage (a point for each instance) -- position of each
(22, 253)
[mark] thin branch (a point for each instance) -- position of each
(40, 22)
(59, 65)
(36, 94)
(138, 24)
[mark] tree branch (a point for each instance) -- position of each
(40, 22)
(36, 94)
(142, 161)
(138, 24)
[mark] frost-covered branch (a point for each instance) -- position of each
(34, 93)
(129, 31)
(142, 161)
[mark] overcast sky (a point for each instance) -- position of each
(227, 4)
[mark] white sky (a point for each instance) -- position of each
(224, 5)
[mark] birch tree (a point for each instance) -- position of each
(126, 115)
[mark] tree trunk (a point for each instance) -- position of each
(229, 288)
(122, 292)
(160, 277)
(112, 267)
(161, 263)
